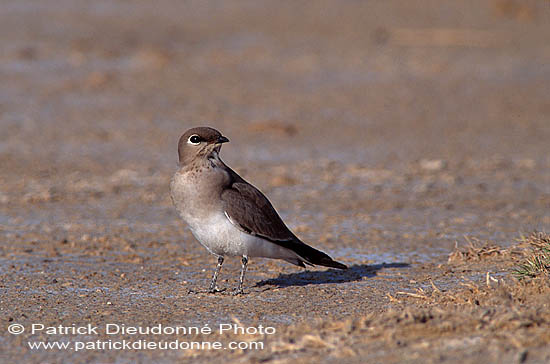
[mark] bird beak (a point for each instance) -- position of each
(221, 140)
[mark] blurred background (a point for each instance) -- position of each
(89, 86)
(378, 112)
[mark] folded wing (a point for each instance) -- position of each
(248, 209)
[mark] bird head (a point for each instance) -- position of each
(200, 142)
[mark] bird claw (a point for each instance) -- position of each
(216, 290)
(237, 292)
(212, 291)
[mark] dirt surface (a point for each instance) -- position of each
(384, 132)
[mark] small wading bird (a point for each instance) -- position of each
(228, 215)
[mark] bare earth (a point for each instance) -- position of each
(384, 132)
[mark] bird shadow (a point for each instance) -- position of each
(353, 274)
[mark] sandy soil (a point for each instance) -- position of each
(385, 133)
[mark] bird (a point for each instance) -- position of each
(228, 215)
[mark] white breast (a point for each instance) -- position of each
(200, 207)
(217, 234)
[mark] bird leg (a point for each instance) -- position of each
(213, 288)
(241, 278)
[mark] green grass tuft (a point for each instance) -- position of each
(538, 263)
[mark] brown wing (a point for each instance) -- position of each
(247, 208)
(250, 210)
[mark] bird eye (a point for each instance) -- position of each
(194, 139)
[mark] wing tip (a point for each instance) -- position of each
(312, 256)
(332, 264)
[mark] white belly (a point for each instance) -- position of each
(217, 234)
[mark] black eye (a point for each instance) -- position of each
(194, 139)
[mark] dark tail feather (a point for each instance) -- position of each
(313, 256)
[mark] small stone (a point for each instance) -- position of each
(97, 79)
(432, 164)
(282, 180)
(526, 163)
(273, 126)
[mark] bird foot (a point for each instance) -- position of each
(216, 290)
(237, 292)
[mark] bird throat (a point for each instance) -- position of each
(214, 157)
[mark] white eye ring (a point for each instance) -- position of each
(194, 139)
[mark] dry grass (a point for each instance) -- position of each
(444, 37)
(530, 255)
(499, 312)
(510, 314)
(477, 250)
